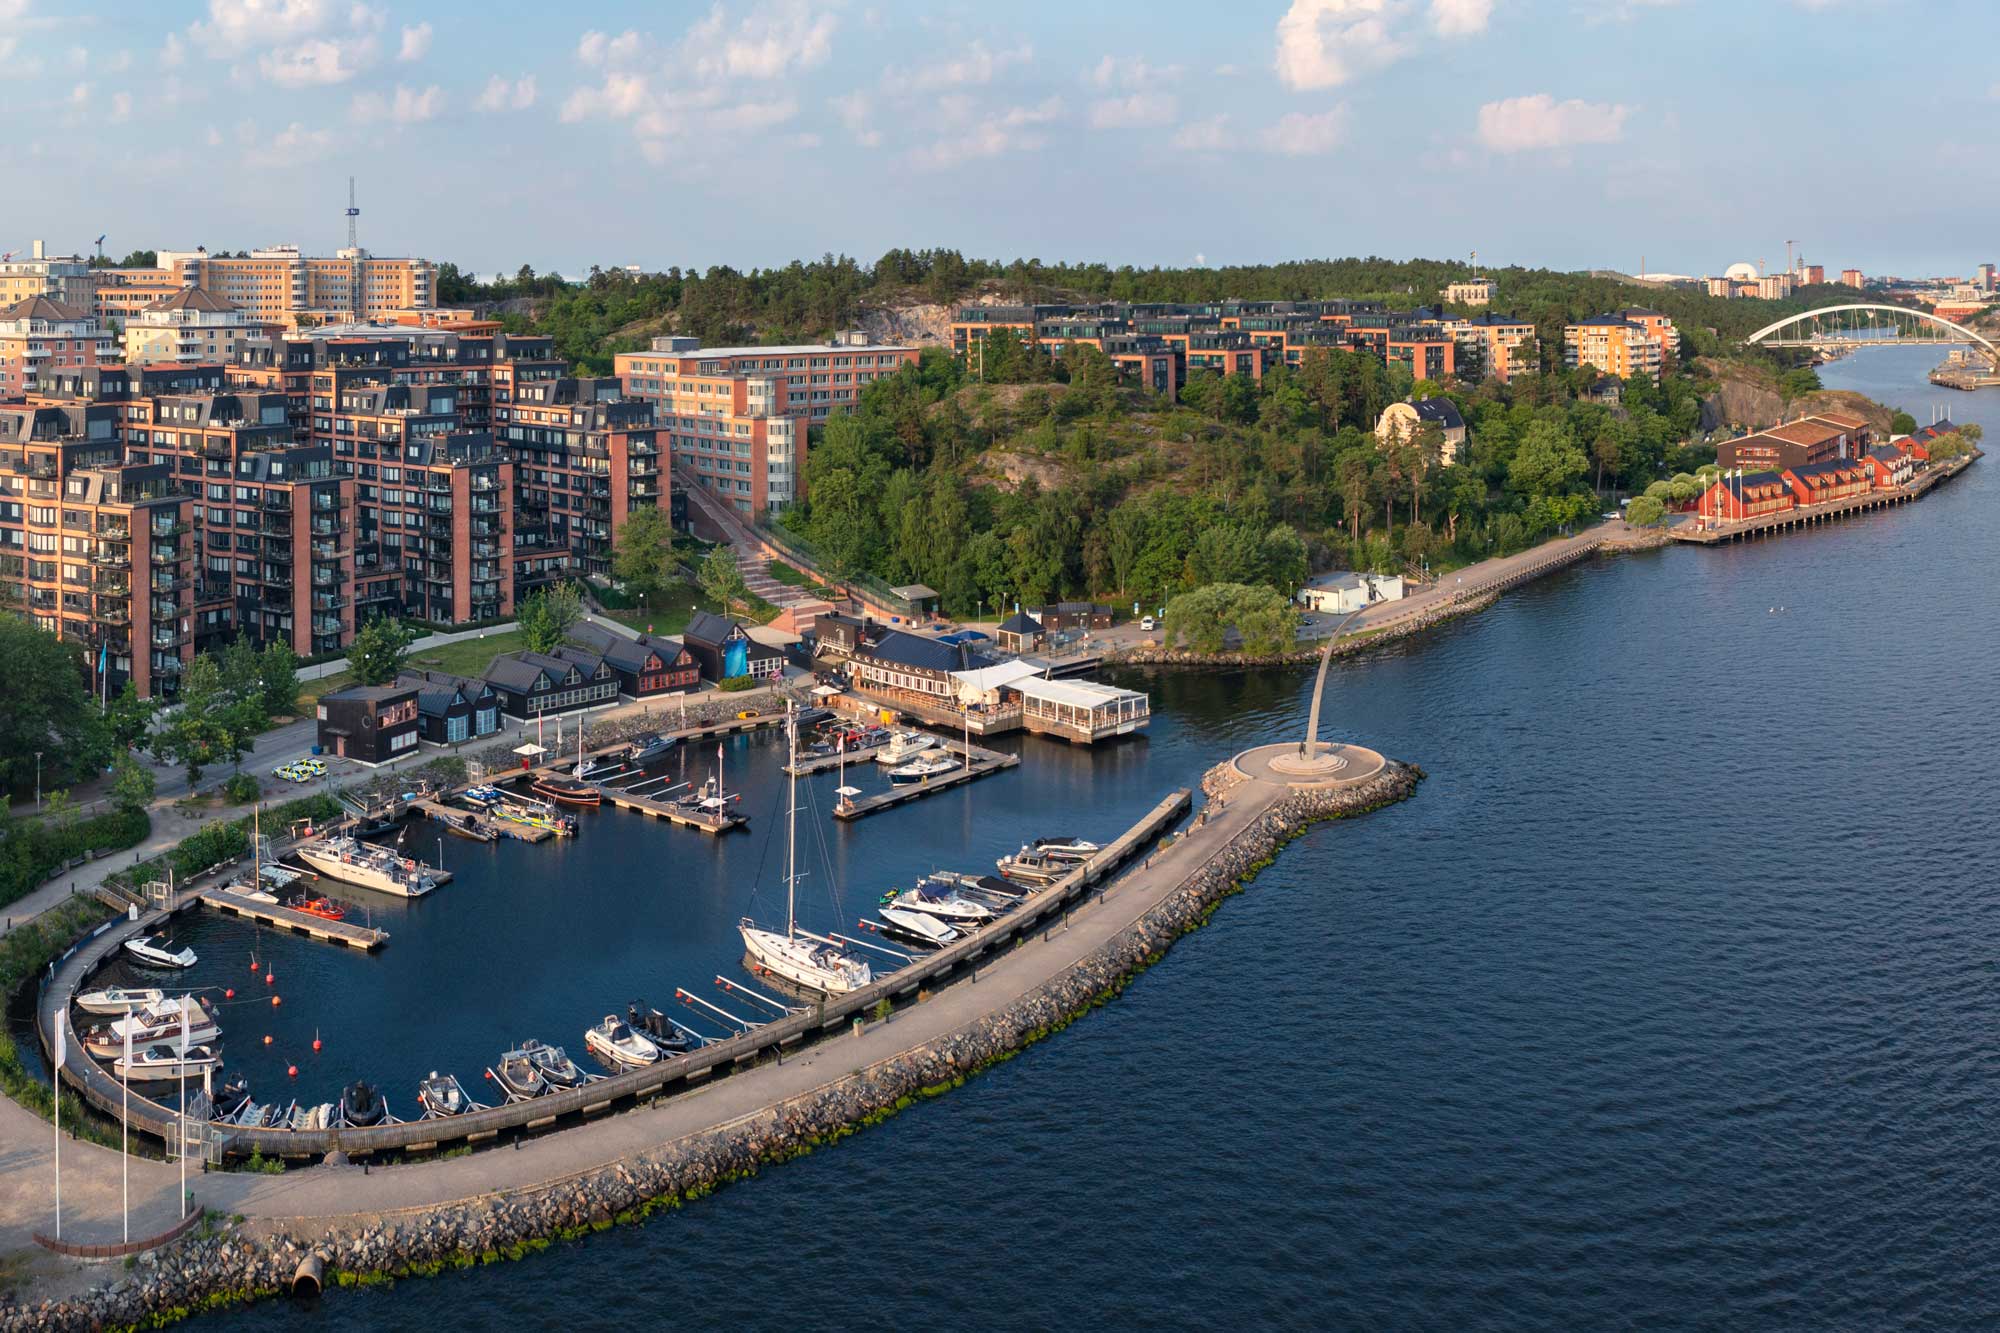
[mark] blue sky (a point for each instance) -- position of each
(1690, 132)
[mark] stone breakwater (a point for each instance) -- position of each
(229, 1263)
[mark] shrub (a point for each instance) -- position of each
(31, 850)
(241, 788)
(735, 684)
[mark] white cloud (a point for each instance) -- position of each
(1460, 18)
(596, 48)
(1015, 129)
(855, 112)
(172, 52)
(1520, 124)
(235, 26)
(405, 107)
(121, 106)
(768, 41)
(1324, 43)
(315, 62)
(120, 62)
(12, 68)
(1134, 112)
(79, 58)
(1200, 259)
(416, 43)
(290, 146)
(977, 67)
(1204, 136)
(500, 95)
(1130, 72)
(1303, 135)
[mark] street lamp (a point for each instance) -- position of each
(38, 781)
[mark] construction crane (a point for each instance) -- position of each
(100, 249)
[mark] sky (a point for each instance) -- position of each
(1681, 134)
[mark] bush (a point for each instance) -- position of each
(736, 684)
(1644, 511)
(32, 850)
(242, 788)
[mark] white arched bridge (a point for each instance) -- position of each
(1862, 324)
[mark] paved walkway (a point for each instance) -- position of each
(324, 1191)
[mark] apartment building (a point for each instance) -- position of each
(1811, 275)
(1473, 291)
(97, 548)
(190, 325)
(1851, 277)
(737, 418)
(1493, 346)
(64, 278)
(1628, 343)
(279, 285)
(585, 457)
(117, 295)
(437, 521)
(39, 335)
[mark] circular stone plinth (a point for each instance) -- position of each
(1329, 765)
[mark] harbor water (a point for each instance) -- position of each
(1667, 1002)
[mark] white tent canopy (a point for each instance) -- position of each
(984, 685)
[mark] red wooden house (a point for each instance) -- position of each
(1891, 467)
(1752, 495)
(1835, 479)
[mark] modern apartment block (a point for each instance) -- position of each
(189, 325)
(64, 278)
(39, 335)
(1851, 277)
(97, 549)
(737, 417)
(1497, 347)
(1633, 341)
(279, 285)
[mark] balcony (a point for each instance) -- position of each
(165, 638)
(328, 602)
(325, 578)
(278, 502)
(277, 576)
(325, 502)
(164, 583)
(112, 557)
(330, 625)
(325, 550)
(116, 532)
(167, 555)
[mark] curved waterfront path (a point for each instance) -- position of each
(333, 1195)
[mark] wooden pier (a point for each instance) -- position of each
(819, 763)
(974, 762)
(293, 922)
(671, 811)
(472, 823)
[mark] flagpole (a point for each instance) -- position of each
(62, 1052)
(125, 1132)
(187, 1002)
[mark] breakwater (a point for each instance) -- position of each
(1175, 889)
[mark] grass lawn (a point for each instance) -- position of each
(467, 657)
(675, 605)
(798, 578)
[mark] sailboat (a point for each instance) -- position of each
(804, 960)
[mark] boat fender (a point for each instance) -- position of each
(306, 1278)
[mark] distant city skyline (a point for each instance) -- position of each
(1551, 134)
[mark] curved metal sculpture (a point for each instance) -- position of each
(1309, 751)
(1958, 329)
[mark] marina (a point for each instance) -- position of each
(972, 762)
(275, 916)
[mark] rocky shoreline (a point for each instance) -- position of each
(228, 1263)
(1162, 656)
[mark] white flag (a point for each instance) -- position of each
(62, 1045)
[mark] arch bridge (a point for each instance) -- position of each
(1863, 324)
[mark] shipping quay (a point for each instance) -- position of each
(1717, 531)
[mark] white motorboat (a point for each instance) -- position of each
(904, 746)
(1029, 866)
(370, 867)
(918, 926)
(615, 1041)
(118, 999)
(155, 1064)
(1073, 850)
(252, 892)
(151, 1026)
(940, 898)
(553, 1064)
(922, 769)
(440, 1095)
(159, 951)
(519, 1075)
(804, 960)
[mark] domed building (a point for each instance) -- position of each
(1741, 273)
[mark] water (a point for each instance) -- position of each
(1666, 1002)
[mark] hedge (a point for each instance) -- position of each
(31, 850)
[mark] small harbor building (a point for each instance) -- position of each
(370, 724)
(724, 651)
(1063, 616)
(450, 708)
(1891, 466)
(531, 685)
(1019, 633)
(1341, 593)
(899, 660)
(1081, 710)
(923, 600)
(647, 665)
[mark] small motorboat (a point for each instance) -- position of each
(440, 1095)
(553, 1064)
(615, 1041)
(324, 908)
(904, 746)
(566, 791)
(519, 1076)
(361, 1106)
(118, 999)
(922, 769)
(940, 898)
(483, 795)
(254, 892)
(916, 927)
(159, 951)
(1032, 867)
(648, 746)
(813, 717)
(663, 1032)
(1073, 850)
(159, 1064)
(231, 1096)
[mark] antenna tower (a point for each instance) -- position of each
(353, 215)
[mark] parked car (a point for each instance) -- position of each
(1148, 624)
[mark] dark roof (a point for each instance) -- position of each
(1631, 310)
(194, 298)
(1888, 453)
(914, 650)
(1606, 321)
(1443, 411)
(367, 693)
(1020, 623)
(1829, 465)
(515, 671)
(1747, 479)
(626, 654)
(707, 627)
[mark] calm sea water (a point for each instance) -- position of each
(1668, 1002)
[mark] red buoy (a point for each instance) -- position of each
(315, 1041)
(274, 1002)
(253, 964)
(489, 1073)
(267, 1039)
(291, 1071)
(229, 994)
(269, 978)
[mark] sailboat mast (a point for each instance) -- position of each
(791, 824)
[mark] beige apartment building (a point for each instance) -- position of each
(64, 278)
(189, 326)
(283, 287)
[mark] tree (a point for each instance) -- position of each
(278, 679)
(379, 650)
(46, 709)
(643, 557)
(129, 717)
(1548, 461)
(721, 579)
(546, 614)
(1607, 452)
(1902, 423)
(1644, 511)
(1264, 621)
(132, 784)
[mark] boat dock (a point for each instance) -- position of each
(819, 763)
(671, 811)
(296, 923)
(975, 762)
(477, 823)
